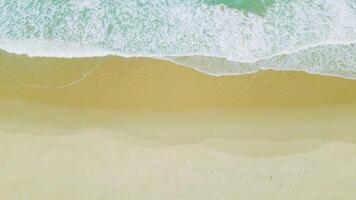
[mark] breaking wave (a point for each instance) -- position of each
(215, 37)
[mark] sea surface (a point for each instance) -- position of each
(217, 37)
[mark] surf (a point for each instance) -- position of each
(215, 37)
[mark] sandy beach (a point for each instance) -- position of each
(138, 128)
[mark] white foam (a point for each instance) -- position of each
(174, 29)
(334, 60)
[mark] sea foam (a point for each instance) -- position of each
(317, 36)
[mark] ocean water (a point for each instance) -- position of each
(217, 37)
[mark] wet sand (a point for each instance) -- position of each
(109, 128)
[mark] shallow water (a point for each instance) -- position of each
(254, 6)
(242, 37)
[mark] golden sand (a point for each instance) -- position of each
(147, 84)
(134, 128)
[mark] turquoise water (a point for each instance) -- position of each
(254, 6)
(218, 37)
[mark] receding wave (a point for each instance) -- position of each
(316, 36)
